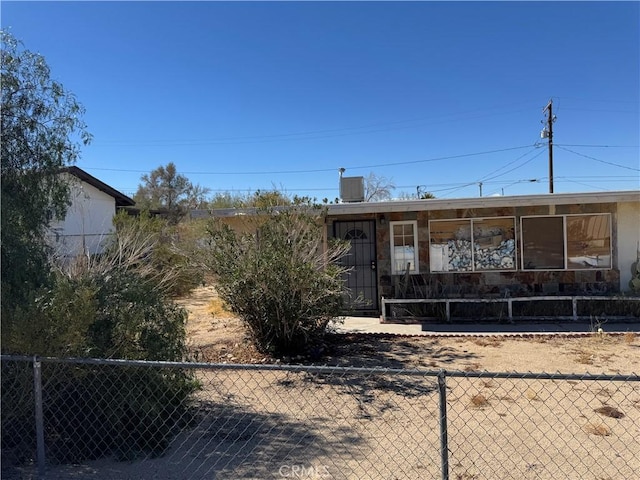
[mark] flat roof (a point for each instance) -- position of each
(390, 206)
(483, 202)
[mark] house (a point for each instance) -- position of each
(502, 250)
(565, 244)
(89, 218)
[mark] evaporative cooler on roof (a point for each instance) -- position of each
(352, 189)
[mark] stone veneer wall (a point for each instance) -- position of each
(487, 284)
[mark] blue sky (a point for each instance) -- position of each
(437, 95)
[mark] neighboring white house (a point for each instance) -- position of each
(89, 219)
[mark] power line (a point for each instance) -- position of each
(595, 146)
(436, 187)
(598, 160)
(323, 133)
(504, 173)
(487, 177)
(283, 172)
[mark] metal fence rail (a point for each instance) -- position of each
(115, 419)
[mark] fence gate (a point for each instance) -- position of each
(362, 279)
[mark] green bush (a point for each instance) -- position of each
(113, 306)
(277, 276)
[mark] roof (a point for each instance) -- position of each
(121, 199)
(484, 202)
(449, 204)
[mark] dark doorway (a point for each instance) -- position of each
(362, 279)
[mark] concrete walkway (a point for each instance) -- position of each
(373, 325)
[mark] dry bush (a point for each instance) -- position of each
(600, 429)
(629, 337)
(479, 401)
(584, 357)
(466, 476)
(492, 341)
(609, 411)
(472, 367)
(532, 395)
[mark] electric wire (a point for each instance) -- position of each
(358, 167)
(598, 160)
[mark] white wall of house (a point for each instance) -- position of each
(88, 223)
(628, 238)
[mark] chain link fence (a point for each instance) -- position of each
(113, 419)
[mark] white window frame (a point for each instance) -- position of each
(416, 251)
(564, 242)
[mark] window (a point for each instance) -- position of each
(404, 247)
(588, 241)
(572, 242)
(468, 245)
(542, 243)
(450, 246)
(494, 244)
(355, 234)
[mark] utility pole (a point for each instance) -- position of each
(547, 132)
(480, 185)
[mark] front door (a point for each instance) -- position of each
(362, 278)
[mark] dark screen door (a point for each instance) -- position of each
(361, 279)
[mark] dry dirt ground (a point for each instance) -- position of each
(266, 423)
(216, 336)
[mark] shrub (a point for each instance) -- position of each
(278, 278)
(164, 257)
(112, 306)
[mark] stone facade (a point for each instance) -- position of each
(507, 279)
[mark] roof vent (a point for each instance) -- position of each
(352, 189)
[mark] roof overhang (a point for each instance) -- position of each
(121, 199)
(483, 202)
(362, 208)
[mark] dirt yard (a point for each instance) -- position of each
(217, 336)
(267, 423)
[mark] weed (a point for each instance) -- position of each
(600, 429)
(585, 358)
(532, 395)
(479, 401)
(629, 337)
(603, 392)
(488, 341)
(466, 476)
(472, 367)
(609, 411)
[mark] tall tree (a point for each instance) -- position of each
(165, 189)
(42, 132)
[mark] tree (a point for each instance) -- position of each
(228, 200)
(197, 197)
(278, 278)
(268, 199)
(42, 132)
(165, 189)
(377, 188)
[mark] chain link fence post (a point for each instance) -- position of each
(37, 386)
(444, 447)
